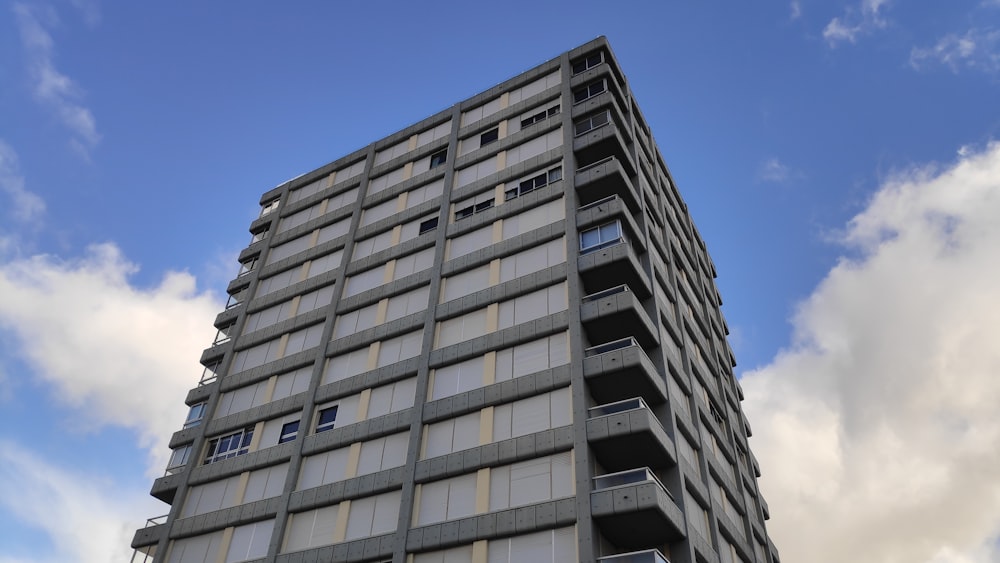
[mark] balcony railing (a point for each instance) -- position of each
(620, 406)
(630, 477)
(208, 375)
(610, 346)
(647, 556)
(593, 164)
(605, 293)
(608, 199)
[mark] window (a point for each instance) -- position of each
(195, 415)
(473, 205)
(178, 459)
(588, 91)
(540, 116)
(259, 236)
(601, 237)
(588, 63)
(269, 207)
(592, 122)
(229, 446)
(488, 137)
(428, 225)
(533, 183)
(438, 158)
(327, 417)
(288, 432)
(248, 266)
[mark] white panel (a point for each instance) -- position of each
(333, 231)
(428, 192)
(562, 413)
(534, 218)
(250, 541)
(324, 468)
(460, 554)
(391, 152)
(530, 481)
(199, 549)
(379, 212)
(371, 245)
(373, 515)
(535, 547)
(289, 248)
(500, 487)
(470, 242)
(559, 349)
(394, 454)
(265, 483)
(343, 199)
(462, 328)
(502, 422)
(307, 190)
(439, 438)
(386, 517)
(346, 365)
(433, 503)
(404, 394)
(355, 321)
(413, 263)
(564, 544)
(407, 303)
(325, 263)
(530, 415)
(363, 281)
(400, 348)
(505, 365)
(531, 357)
(466, 283)
(458, 378)
(311, 528)
(299, 217)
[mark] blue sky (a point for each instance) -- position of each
(839, 159)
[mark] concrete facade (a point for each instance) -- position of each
(492, 336)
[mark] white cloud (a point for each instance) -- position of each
(877, 428)
(89, 519)
(52, 87)
(977, 49)
(795, 9)
(773, 170)
(25, 205)
(119, 354)
(855, 22)
(90, 10)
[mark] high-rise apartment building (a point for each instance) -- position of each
(493, 336)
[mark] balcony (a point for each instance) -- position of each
(145, 539)
(627, 434)
(621, 370)
(165, 488)
(599, 143)
(647, 556)
(634, 510)
(605, 178)
(616, 313)
(613, 265)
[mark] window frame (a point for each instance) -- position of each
(439, 158)
(540, 116)
(533, 183)
(329, 424)
(427, 226)
(196, 414)
(588, 62)
(243, 437)
(590, 123)
(289, 431)
(601, 243)
(489, 137)
(588, 91)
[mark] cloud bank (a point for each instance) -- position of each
(51, 87)
(877, 429)
(976, 49)
(855, 22)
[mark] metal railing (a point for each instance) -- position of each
(606, 292)
(628, 477)
(635, 403)
(647, 556)
(608, 199)
(610, 346)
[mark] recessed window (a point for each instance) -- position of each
(439, 158)
(288, 432)
(464, 212)
(484, 205)
(178, 458)
(269, 207)
(533, 183)
(593, 122)
(540, 116)
(248, 266)
(327, 418)
(588, 63)
(259, 236)
(195, 415)
(229, 446)
(600, 237)
(588, 91)
(428, 225)
(489, 137)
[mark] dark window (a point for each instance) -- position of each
(592, 122)
(588, 63)
(540, 116)
(229, 446)
(195, 415)
(464, 212)
(288, 432)
(489, 137)
(588, 91)
(483, 206)
(438, 158)
(327, 417)
(428, 225)
(533, 183)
